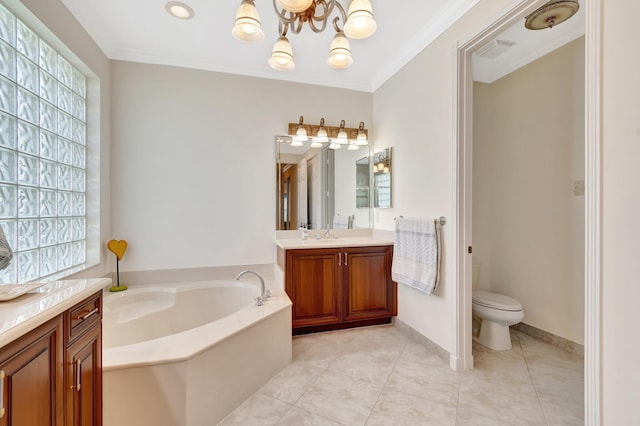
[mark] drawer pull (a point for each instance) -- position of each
(345, 259)
(2, 410)
(88, 314)
(339, 259)
(78, 370)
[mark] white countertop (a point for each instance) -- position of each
(26, 312)
(312, 243)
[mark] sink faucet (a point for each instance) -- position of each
(264, 291)
(327, 233)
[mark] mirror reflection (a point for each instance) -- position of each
(382, 179)
(320, 187)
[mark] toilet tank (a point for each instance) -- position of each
(475, 277)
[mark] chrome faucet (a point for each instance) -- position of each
(327, 233)
(264, 291)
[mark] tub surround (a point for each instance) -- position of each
(25, 313)
(186, 344)
(194, 376)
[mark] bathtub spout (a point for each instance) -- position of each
(264, 291)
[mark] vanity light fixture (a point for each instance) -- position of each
(357, 23)
(361, 139)
(338, 136)
(342, 135)
(301, 133)
(179, 10)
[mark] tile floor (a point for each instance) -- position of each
(378, 376)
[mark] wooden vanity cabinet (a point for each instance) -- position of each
(334, 288)
(83, 362)
(41, 370)
(31, 371)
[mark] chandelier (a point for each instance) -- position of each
(357, 23)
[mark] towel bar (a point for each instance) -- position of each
(441, 219)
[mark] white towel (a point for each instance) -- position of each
(416, 254)
(5, 251)
(340, 222)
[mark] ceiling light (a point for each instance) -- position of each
(179, 10)
(551, 13)
(293, 14)
(360, 22)
(247, 27)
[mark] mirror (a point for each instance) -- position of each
(321, 187)
(382, 179)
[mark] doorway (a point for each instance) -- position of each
(461, 354)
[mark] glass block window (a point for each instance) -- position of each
(42, 154)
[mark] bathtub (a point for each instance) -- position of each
(189, 353)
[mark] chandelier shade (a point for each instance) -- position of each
(360, 22)
(340, 52)
(247, 26)
(282, 55)
(295, 5)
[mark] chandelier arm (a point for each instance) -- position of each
(318, 29)
(327, 8)
(298, 24)
(282, 14)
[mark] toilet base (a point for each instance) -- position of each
(494, 336)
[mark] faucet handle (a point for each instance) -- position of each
(258, 301)
(267, 293)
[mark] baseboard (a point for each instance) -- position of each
(550, 338)
(414, 335)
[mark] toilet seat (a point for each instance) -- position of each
(496, 301)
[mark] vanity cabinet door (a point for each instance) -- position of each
(83, 379)
(313, 282)
(369, 291)
(30, 368)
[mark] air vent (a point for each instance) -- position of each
(494, 48)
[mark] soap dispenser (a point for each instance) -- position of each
(304, 233)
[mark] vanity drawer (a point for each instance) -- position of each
(82, 317)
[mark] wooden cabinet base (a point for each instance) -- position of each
(340, 326)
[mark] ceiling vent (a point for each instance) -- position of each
(494, 48)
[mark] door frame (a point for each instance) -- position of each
(461, 351)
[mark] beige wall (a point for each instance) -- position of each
(620, 213)
(528, 226)
(193, 161)
(59, 23)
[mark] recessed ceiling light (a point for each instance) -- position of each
(179, 10)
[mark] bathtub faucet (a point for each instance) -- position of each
(264, 291)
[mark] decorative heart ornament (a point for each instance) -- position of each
(117, 247)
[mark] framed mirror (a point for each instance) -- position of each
(321, 188)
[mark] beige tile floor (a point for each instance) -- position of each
(378, 376)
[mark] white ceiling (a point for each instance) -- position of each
(142, 31)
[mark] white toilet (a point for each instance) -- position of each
(496, 313)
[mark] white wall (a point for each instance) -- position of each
(58, 21)
(620, 213)
(528, 226)
(193, 161)
(413, 113)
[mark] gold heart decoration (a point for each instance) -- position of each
(117, 247)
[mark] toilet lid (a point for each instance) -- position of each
(496, 301)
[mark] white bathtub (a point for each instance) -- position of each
(188, 354)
